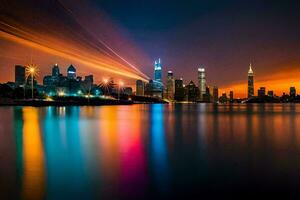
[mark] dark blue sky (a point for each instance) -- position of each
(224, 36)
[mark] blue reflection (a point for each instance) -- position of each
(64, 156)
(18, 130)
(158, 147)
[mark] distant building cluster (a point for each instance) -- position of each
(57, 83)
(175, 89)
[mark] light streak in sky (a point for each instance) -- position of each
(67, 38)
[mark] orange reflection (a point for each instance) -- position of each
(34, 178)
(109, 143)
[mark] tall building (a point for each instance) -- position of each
(231, 96)
(170, 86)
(154, 89)
(88, 82)
(179, 90)
(223, 98)
(292, 92)
(140, 88)
(157, 70)
(201, 83)
(89, 79)
(19, 75)
(71, 72)
(192, 92)
(250, 82)
(55, 70)
(261, 92)
(207, 96)
(215, 94)
(270, 93)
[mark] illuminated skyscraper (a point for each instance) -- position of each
(250, 82)
(157, 71)
(170, 86)
(201, 83)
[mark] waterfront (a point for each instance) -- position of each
(150, 151)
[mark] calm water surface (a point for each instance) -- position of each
(150, 152)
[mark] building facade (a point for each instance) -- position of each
(293, 92)
(250, 82)
(140, 88)
(179, 90)
(231, 98)
(215, 94)
(192, 92)
(71, 72)
(157, 70)
(201, 83)
(261, 92)
(170, 86)
(19, 75)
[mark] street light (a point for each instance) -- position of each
(105, 80)
(32, 71)
(105, 85)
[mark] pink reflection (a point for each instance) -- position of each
(132, 152)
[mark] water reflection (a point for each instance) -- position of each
(149, 151)
(33, 156)
(158, 147)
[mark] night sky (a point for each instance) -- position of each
(223, 36)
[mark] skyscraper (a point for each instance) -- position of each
(250, 82)
(292, 92)
(261, 92)
(19, 75)
(170, 86)
(71, 72)
(179, 90)
(215, 94)
(231, 96)
(157, 70)
(201, 83)
(270, 93)
(55, 70)
(140, 88)
(192, 92)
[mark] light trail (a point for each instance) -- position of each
(69, 40)
(77, 58)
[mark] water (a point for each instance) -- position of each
(150, 152)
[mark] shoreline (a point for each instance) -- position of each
(85, 102)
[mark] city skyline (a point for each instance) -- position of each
(170, 89)
(225, 47)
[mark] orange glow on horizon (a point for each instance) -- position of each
(279, 83)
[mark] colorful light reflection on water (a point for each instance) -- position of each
(149, 151)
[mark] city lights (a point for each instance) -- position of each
(32, 72)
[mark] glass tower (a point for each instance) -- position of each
(157, 70)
